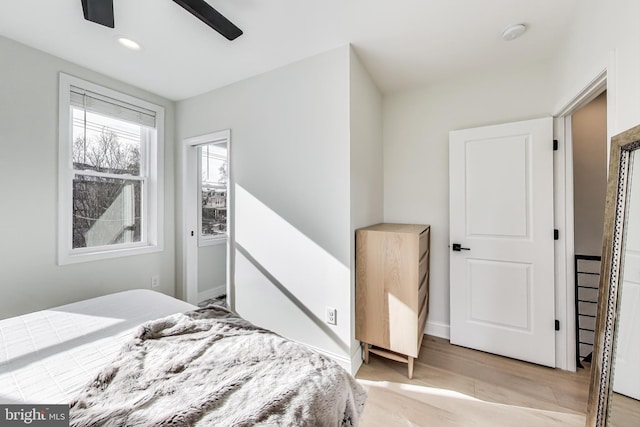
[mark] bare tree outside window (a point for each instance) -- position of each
(106, 154)
(214, 166)
(106, 208)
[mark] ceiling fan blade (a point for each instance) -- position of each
(204, 12)
(99, 11)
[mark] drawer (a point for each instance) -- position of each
(424, 242)
(422, 320)
(423, 290)
(423, 268)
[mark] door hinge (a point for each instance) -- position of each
(555, 145)
(557, 325)
(556, 234)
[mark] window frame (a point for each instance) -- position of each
(152, 209)
(211, 240)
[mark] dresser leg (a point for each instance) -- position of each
(366, 353)
(410, 362)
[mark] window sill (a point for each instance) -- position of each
(74, 258)
(212, 241)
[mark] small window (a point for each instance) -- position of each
(110, 153)
(214, 167)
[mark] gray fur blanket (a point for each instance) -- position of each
(209, 367)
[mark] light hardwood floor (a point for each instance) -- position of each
(456, 386)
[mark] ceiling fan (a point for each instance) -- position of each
(101, 12)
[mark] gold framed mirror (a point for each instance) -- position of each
(613, 398)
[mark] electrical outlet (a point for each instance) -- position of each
(332, 316)
(155, 281)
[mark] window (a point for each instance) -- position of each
(214, 167)
(110, 173)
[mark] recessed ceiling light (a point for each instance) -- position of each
(129, 44)
(513, 31)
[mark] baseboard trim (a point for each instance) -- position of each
(356, 360)
(437, 329)
(343, 361)
(212, 293)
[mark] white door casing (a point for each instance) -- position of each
(190, 213)
(501, 208)
(564, 210)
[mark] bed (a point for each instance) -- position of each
(143, 358)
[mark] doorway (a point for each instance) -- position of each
(206, 208)
(564, 214)
(589, 130)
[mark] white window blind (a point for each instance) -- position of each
(104, 105)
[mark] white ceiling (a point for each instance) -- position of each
(403, 43)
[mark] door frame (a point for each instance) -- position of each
(564, 214)
(190, 213)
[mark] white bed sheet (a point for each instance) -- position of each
(48, 356)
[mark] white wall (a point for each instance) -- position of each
(589, 175)
(30, 279)
(367, 201)
(313, 121)
(603, 35)
(416, 123)
(290, 175)
(416, 127)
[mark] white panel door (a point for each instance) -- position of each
(626, 377)
(501, 220)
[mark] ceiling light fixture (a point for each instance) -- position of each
(129, 44)
(513, 31)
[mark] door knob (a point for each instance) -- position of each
(457, 247)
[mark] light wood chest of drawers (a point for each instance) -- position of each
(392, 289)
